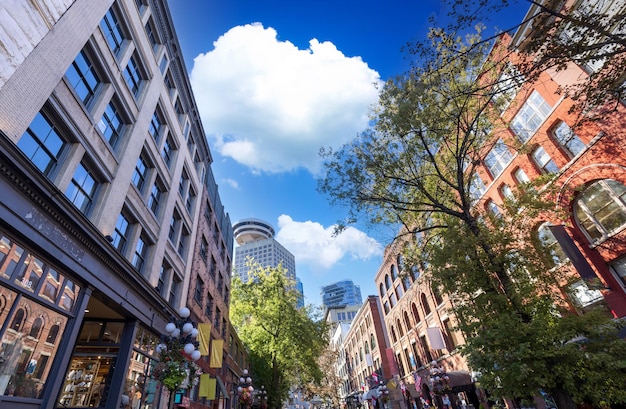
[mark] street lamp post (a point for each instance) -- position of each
(262, 393)
(177, 353)
(245, 390)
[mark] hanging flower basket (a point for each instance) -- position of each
(175, 367)
(245, 398)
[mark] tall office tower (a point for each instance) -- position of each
(341, 293)
(256, 241)
(300, 289)
(104, 170)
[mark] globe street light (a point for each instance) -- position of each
(177, 354)
(245, 390)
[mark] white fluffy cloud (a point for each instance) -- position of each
(313, 244)
(271, 106)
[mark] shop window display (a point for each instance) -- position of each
(34, 300)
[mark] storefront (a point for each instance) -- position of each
(78, 327)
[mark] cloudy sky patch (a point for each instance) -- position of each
(293, 101)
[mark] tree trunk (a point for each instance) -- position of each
(562, 399)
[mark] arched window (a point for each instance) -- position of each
(406, 282)
(35, 330)
(400, 330)
(400, 262)
(416, 314)
(437, 295)
(372, 341)
(367, 347)
(52, 334)
(387, 282)
(415, 272)
(361, 354)
(407, 321)
(18, 320)
(569, 141)
(381, 290)
(548, 241)
(394, 272)
(601, 209)
(393, 334)
(425, 304)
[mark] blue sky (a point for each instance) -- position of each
(275, 80)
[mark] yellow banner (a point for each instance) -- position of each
(217, 345)
(207, 386)
(204, 336)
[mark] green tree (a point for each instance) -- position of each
(416, 168)
(327, 388)
(284, 341)
(551, 36)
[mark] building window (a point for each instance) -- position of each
(197, 294)
(168, 152)
(133, 76)
(111, 125)
(164, 63)
(530, 117)
(82, 189)
(154, 128)
(174, 289)
(407, 321)
(208, 310)
(450, 337)
(121, 233)
(155, 196)
(387, 282)
(204, 249)
(394, 272)
(506, 193)
(416, 314)
(174, 222)
(83, 78)
(163, 273)
(477, 188)
(141, 173)
(521, 176)
(191, 198)
(112, 31)
(42, 144)
(151, 32)
(544, 161)
(425, 304)
(618, 268)
(509, 83)
(492, 208)
(183, 183)
(141, 251)
(549, 242)
(600, 209)
(567, 139)
(183, 241)
(498, 158)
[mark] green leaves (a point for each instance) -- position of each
(284, 340)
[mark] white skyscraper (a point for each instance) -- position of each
(256, 240)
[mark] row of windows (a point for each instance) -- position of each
(46, 143)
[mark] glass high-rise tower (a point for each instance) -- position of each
(255, 238)
(341, 293)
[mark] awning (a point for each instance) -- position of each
(412, 391)
(223, 391)
(460, 381)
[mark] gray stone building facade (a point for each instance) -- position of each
(104, 179)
